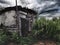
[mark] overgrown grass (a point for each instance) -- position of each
(47, 29)
(3, 38)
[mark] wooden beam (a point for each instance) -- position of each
(18, 18)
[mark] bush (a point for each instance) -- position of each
(3, 38)
(14, 37)
(27, 40)
(22, 40)
(47, 29)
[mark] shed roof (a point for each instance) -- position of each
(19, 9)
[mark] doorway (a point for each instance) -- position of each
(24, 26)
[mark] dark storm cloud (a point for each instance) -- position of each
(5, 2)
(46, 6)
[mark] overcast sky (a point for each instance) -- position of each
(26, 3)
(37, 5)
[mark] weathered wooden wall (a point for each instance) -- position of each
(11, 21)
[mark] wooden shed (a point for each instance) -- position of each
(19, 20)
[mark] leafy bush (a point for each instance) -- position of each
(3, 38)
(14, 37)
(27, 40)
(47, 29)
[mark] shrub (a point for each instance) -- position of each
(3, 38)
(27, 40)
(14, 37)
(47, 29)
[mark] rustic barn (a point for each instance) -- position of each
(17, 19)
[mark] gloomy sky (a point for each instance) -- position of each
(40, 6)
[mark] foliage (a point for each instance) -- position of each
(47, 29)
(27, 40)
(3, 38)
(15, 38)
(22, 40)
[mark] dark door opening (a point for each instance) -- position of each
(24, 26)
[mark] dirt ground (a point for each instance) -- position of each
(45, 43)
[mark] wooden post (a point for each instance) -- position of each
(18, 23)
